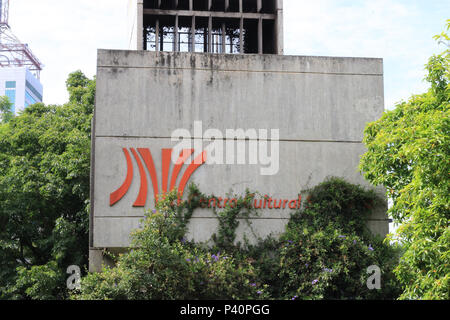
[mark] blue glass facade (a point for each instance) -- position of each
(29, 99)
(21, 87)
(10, 92)
(34, 91)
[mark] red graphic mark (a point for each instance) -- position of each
(185, 154)
(199, 161)
(117, 195)
(150, 165)
(142, 196)
(166, 159)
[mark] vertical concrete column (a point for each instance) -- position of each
(140, 25)
(231, 44)
(175, 40)
(224, 35)
(210, 47)
(260, 36)
(191, 5)
(258, 5)
(192, 49)
(279, 45)
(92, 186)
(241, 28)
(98, 260)
(209, 5)
(157, 35)
(159, 4)
(95, 260)
(175, 4)
(241, 34)
(217, 43)
(227, 5)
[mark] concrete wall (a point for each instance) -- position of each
(319, 104)
(279, 33)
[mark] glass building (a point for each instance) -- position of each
(21, 87)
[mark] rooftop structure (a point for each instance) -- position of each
(14, 53)
(211, 26)
(19, 67)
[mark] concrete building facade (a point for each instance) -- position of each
(313, 110)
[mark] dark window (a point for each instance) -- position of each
(201, 5)
(10, 84)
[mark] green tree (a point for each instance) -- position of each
(409, 154)
(5, 109)
(44, 194)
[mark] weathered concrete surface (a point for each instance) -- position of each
(311, 98)
(320, 104)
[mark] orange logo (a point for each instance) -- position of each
(146, 161)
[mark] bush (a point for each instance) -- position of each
(323, 254)
(331, 264)
(327, 248)
(161, 266)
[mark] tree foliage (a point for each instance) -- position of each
(320, 256)
(5, 110)
(44, 194)
(409, 154)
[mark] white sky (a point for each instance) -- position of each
(65, 35)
